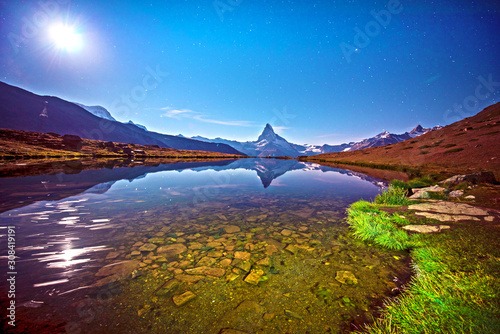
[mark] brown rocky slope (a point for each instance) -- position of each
(467, 146)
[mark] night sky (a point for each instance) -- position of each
(318, 71)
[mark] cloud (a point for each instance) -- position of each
(190, 114)
(177, 113)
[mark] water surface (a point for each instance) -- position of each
(260, 243)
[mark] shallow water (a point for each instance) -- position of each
(259, 244)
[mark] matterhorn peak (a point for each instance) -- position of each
(267, 134)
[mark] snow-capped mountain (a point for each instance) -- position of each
(269, 144)
(386, 138)
(97, 111)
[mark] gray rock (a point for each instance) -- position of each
(420, 194)
(456, 193)
(481, 177)
(425, 228)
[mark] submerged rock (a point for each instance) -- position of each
(245, 256)
(232, 229)
(148, 247)
(182, 299)
(171, 250)
(254, 276)
(346, 277)
(292, 314)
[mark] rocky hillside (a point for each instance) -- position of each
(26, 144)
(469, 145)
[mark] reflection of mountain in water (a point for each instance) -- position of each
(98, 181)
(100, 188)
(270, 169)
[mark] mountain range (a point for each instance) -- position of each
(23, 110)
(269, 144)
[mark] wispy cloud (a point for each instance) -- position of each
(190, 114)
(280, 128)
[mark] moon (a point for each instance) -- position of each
(64, 37)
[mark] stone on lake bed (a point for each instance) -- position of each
(245, 256)
(346, 277)
(271, 249)
(182, 299)
(217, 272)
(124, 268)
(195, 245)
(292, 314)
(189, 278)
(148, 247)
(174, 249)
(254, 276)
(286, 232)
(232, 229)
(214, 254)
(292, 249)
(243, 265)
(206, 261)
(112, 255)
(226, 262)
(266, 262)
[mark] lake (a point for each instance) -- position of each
(255, 245)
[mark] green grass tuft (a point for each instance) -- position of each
(456, 282)
(393, 196)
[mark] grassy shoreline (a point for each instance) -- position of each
(456, 283)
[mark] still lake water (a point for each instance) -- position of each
(255, 245)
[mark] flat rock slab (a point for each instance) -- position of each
(254, 276)
(449, 208)
(232, 229)
(171, 250)
(425, 228)
(123, 268)
(245, 256)
(148, 247)
(446, 218)
(182, 299)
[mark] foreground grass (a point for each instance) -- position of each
(456, 287)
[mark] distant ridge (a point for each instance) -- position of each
(269, 144)
(23, 110)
